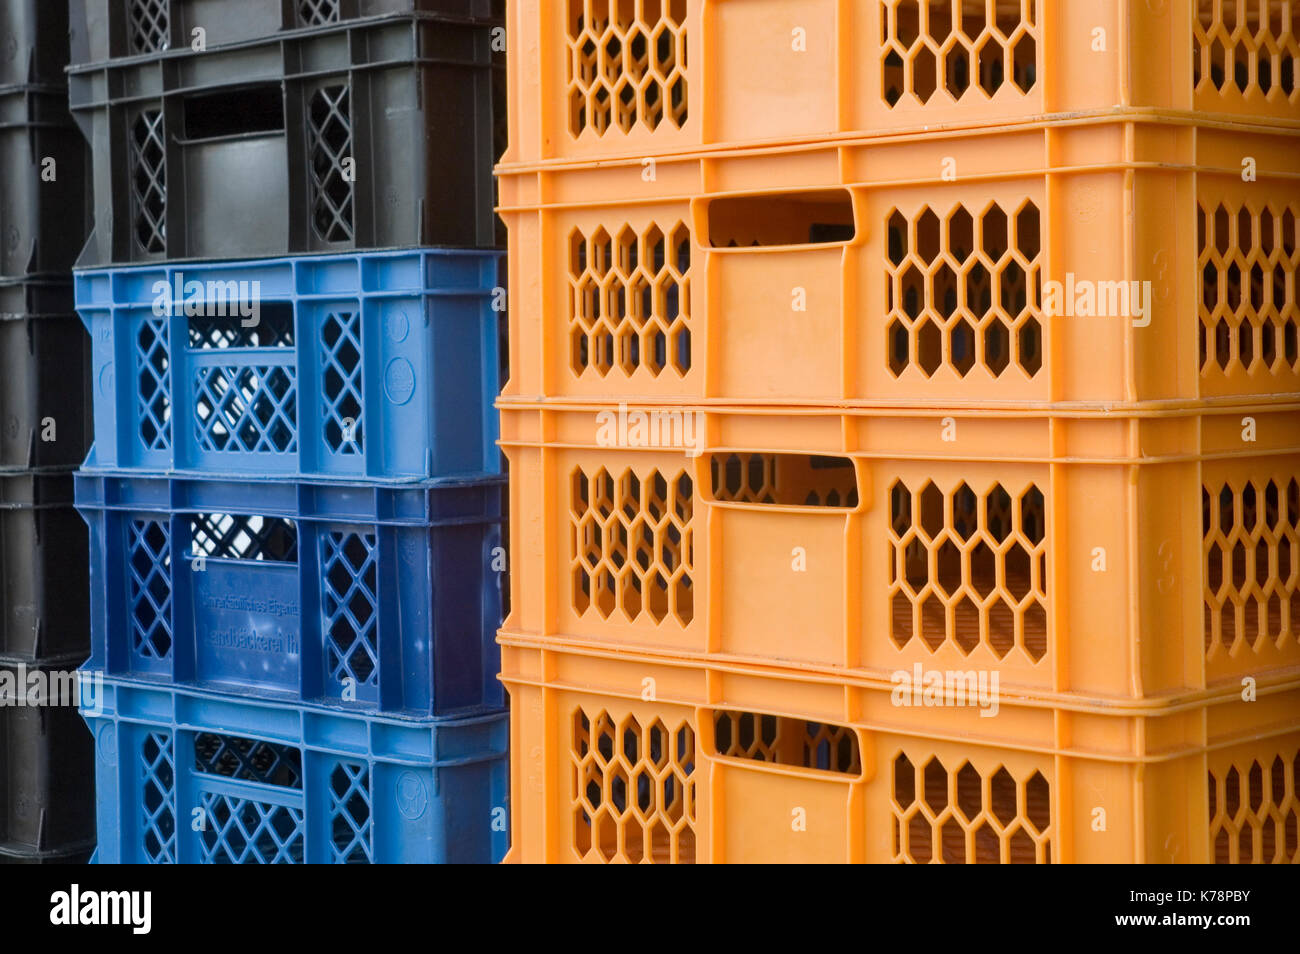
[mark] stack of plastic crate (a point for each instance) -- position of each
(46, 785)
(294, 493)
(854, 531)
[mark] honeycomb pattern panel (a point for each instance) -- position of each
(634, 789)
(963, 292)
(782, 740)
(957, 51)
(632, 545)
(968, 567)
(626, 65)
(1255, 807)
(1251, 548)
(630, 301)
(1249, 262)
(799, 480)
(952, 812)
(1246, 53)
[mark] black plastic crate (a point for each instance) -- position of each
(33, 42)
(45, 401)
(19, 856)
(47, 773)
(378, 134)
(114, 29)
(43, 166)
(44, 572)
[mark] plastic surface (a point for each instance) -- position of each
(35, 297)
(759, 765)
(595, 78)
(1046, 546)
(104, 29)
(79, 857)
(380, 366)
(358, 596)
(43, 176)
(35, 49)
(44, 399)
(47, 794)
(279, 784)
(376, 135)
(1104, 260)
(44, 601)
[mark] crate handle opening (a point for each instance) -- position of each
(823, 217)
(783, 480)
(786, 741)
(247, 110)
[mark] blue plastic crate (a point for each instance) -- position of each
(380, 366)
(371, 597)
(189, 777)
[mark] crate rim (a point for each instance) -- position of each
(86, 478)
(399, 720)
(295, 33)
(1179, 704)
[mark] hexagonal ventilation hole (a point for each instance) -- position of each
(633, 795)
(960, 296)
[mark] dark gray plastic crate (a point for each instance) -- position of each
(113, 29)
(32, 297)
(33, 42)
(374, 135)
(45, 401)
(44, 572)
(42, 219)
(47, 779)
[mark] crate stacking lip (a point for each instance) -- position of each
(1114, 259)
(40, 297)
(379, 133)
(43, 163)
(356, 597)
(46, 804)
(1047, 546)
(279, 784)
(379, 366)
(599, 79)
(621, 756)
(105, 30)
(44, 603)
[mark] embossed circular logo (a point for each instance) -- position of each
(106, 378)
(412, 795)
(399, 326)
(399, 380)
(107, 743)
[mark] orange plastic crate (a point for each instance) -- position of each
(1048, 546)
(601, 78)
(632, 758)
(951, 269)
